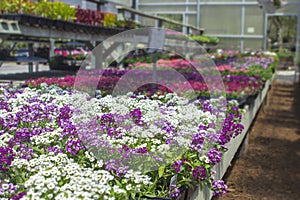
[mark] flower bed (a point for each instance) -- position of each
(46, 131)
(148, 144)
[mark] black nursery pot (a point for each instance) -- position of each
(59, 24)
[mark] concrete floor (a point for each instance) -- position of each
(13, 71)
(287, 76)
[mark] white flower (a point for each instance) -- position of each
(204, 159)
(5, 186)
(128, 187)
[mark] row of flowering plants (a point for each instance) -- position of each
(242, 77)
(260, 63)
(61, 11)
(228, 62)
(236, 86)
(64, 144)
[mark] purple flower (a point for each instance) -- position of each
(199, 173)
(167, 126)
(6, 157)
(177, 164)
(175, 192)
(74, 146)
(65, 114)
(4, 105)
(115, 166)
(219, 187)
(142, 150)
(107, 119)
(18, 196)
(197, 142)
(137, 116)
(25, 153)
(54, 149)
(214, 156)
(68, 130)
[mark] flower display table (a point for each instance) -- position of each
(236, 144)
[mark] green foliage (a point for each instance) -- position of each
(56, 10)
(12, 6)
(110, 20)
(76, 57)
(285, 53)
(277, 3)
(126, 24)
(145, 58)
(205, 39)
(53, 10)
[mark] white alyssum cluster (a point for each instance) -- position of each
(5, 138)
(62, 177)
(46, 137)
(181, 118)
(185, 118)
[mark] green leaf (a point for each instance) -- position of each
(133, 195)
(118, 183)
(150, 195)
(161, 171)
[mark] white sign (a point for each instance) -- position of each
(250, 30)
(156, 39)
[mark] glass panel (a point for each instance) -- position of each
(229, 43)
(146, 21)
(254, 23)
(192, 8)
(192, 20)
(222, 1)
(125, 2)
(175, 17)
(162, 1)
(221, 19)
(253, 44)
(161, 8)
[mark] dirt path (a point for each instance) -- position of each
(270, 170)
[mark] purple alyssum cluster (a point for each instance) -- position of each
(199, 173)
(219, 187)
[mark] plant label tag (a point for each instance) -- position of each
(156, 40)
(173, 181)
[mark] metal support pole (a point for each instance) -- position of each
(30, 64)
(37, 66)
(296, 58)
(52, 47)
(134, 7)
(154, 75)
(160, 24)
(242, 27)
(30, 67)
(198, 14)
(266, 16)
